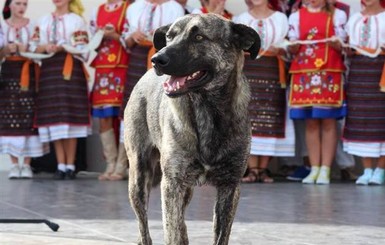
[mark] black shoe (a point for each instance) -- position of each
(59, 175)
(70, 174)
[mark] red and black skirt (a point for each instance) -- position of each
(136, 69)
(267, 106)
(17, 106)
(61, 101)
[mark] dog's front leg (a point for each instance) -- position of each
(175, 198)
(225, 207)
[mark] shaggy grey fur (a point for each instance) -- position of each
(196, 134)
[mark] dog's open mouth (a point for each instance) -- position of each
(177, 85)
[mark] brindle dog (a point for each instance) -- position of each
(192, 123)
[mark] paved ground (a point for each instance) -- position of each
(283, 213)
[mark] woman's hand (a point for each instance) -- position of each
(53, 48)
(138, 36)
(11, 48)
(277, 51)
(110, 32)
(348, 51)
(22, 48)
(336, 45)
(293, 49)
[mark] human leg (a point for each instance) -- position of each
(110, 151)
(263, 172)
(121, 167)
(313, 143)
(328, 149)
(70, 152)
(60, 158)
(368, 171)
(26, 171)
(252, 170)
(14, 172)
(378, 177)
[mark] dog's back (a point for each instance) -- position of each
(193, 121)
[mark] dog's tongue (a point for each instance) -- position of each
(174, 83)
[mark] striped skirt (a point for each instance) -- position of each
(272, 131)
(136, 69)
(365, 122)
(23, 146)
(17, 107)
(62, 102)
(268, 99)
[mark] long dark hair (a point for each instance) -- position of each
(7, 9)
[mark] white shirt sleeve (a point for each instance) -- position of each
(1, 38)
(197, 11)
(293, 33)
(339, 22)
(93, 24)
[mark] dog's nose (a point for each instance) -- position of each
(161, 60)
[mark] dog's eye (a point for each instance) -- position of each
(168, 37)
(199, 37)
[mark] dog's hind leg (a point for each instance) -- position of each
(224, 212)
(175, 198)
(140, 183)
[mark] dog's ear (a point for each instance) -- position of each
(246, 39)
(159, 38)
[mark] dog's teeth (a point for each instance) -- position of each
(177, 85)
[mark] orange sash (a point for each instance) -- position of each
(68, 67)
(24, 74)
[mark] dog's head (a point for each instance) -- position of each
(201, 51)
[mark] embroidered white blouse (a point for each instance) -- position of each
(339, 21)
(1, 38)
(272, 30)
(366, 31)
(147, 17)
(70, 29)
(20, 35)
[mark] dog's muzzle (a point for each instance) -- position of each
(177, 83)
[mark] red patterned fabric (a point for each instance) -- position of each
(111, 62)
(317, 68)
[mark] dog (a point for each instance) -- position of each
(188, 117)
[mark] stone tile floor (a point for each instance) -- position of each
(284, 213)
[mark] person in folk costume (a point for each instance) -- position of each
(110, 65)
(1, 39)
(297, 4)
(213, 6)
(317, 89)
(143, 18)
(272, 131)
(18, 137)
(62, 106)
(344, 160)
(341, 6)
(364, 132)
(187, 9)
